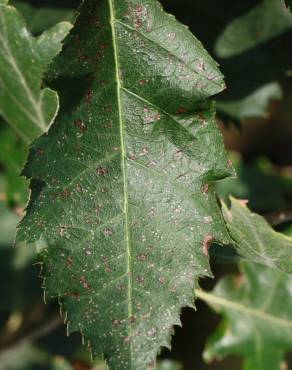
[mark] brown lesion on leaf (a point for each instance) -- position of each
(207, 243)
(80, 125)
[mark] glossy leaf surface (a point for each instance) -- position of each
(123, 203)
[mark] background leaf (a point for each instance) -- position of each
(23, 60)
(257, 317)
(255, 239)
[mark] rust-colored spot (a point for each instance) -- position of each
(102, 171)
(89, 95)
(181, 110)
(40, 151)
(205, 189)
(84, 282)
(80, 125)
(69, 262)
(65, 193)
(207, 243)
(229, 163)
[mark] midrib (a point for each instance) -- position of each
(125, 180)
(220, 301)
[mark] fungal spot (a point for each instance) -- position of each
(108, 232)
(173, 289)
(121, 287)
(79, 188)
(116, 322)
(127, 339)
(108, 108)
(207, 243)
(84, 282)
(141, 279)
(69, 262)
(62, 231)
(151, 332)
(88, 252)
(172, 35)
(162, 280)
(152, 163)
(181, 110)
(40, 151)
(102, 171)
(205, 189)
(133, 318)
(109, 124)
(65, 193)
(142, 257)
(145, 151)
(208, 219)
(40, 224)
(98, 208)
(143, 82)
(104, 190)
(229, 163)
(201, 65)
(80, 125)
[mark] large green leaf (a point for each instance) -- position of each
(257, 317)
(24, 104)
(255, 239)
(123, 203)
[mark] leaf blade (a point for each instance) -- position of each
(23, 59)
(256, 325)
(116, 174)
(255, 239)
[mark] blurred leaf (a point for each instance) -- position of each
(24, 356)
(8, 222)
(168, 365)
(254, 105)
(263, 22)
(265, 189)
(23, 60)
(12, 158)
(257, 321)
(255, 239)
(39, 18)
(60, 363)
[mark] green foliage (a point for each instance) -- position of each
(255, 325)
(248, 39)
(40, 18)
(255, 239)
(12, 156)
(23, 60)
(124, 175)
(124, 204)
(263, 22)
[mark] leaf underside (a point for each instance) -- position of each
(27, 107)
(257, 317)
(122, 202)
